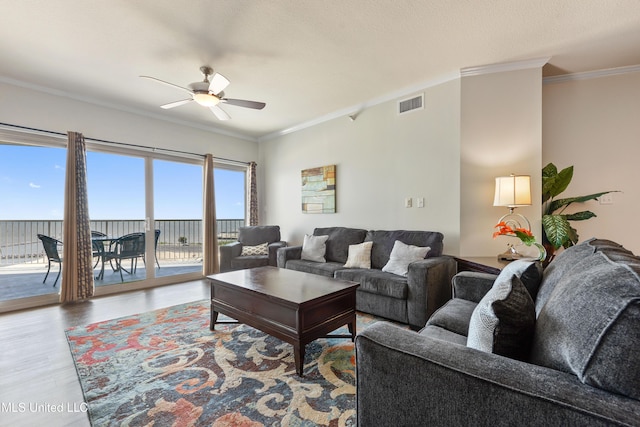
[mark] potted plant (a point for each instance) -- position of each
(556, 230)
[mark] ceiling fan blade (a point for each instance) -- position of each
(218, 83)
(219, 113)
(167, 83)
(244, 103)
(176, 103)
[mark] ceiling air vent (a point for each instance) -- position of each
(411, 104)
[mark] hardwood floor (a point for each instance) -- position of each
(38, 381)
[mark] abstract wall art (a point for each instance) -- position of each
(319, 190)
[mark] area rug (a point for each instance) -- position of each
(166, 368)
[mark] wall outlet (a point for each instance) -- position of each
(407, 202)
(420, 202)
(606, 199)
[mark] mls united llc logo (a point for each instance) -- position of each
(23, 407)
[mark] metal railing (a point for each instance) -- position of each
(179, 239)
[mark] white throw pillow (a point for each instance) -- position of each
(255, 250)
(314, 247)
(359, 255)
(402, 255)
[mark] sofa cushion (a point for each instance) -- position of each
(562, 265)
(255, 250)
(442, 334)
(376, 282)
(321, 268)
(384, 240)
(314, 248)
(339, 240)
(503, 322)
(590, 323)
(359, 256)
(454, 316)
(402, 255)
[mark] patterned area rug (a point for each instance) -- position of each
(166, 368)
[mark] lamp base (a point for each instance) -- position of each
(533, 252)
(511, 254)
(508, 256)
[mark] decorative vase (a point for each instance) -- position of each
(534, 251)
(542, 252)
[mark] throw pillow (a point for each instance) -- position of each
(359, 256)
(314, 248)
(504, 320)
(402, 255)
(255, 250)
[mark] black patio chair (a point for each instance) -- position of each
(51, 250)
(131, 247)
(97, 246)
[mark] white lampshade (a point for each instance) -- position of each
(513, 191)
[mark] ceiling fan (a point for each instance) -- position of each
(209, 94)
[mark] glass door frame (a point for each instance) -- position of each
(32, 137)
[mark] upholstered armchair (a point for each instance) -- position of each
(256, 246)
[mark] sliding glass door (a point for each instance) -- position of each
(116, 191)
(231, 195)
(31, 210)
(177, 212)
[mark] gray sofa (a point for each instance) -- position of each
(581, 367)
(231, 257)
(409, 299)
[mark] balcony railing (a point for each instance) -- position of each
(180, 240)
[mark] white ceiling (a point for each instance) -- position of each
(306, 59)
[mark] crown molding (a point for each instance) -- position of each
(504, 66)
(357, 109)
(591, 74)
(93, 101)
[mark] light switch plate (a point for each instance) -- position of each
(420, 202)
(407, 202)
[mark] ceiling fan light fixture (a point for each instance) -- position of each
(206, 99)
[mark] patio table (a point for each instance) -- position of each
(101, 253)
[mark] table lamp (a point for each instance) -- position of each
(513, 191)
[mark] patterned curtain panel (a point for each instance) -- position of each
(77, 274)
(253, 195)
(210, 250)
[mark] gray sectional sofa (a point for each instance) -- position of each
(577, 364)
(409, 299)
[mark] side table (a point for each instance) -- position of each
(488, 264)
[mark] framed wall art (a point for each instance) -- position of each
(319, 190)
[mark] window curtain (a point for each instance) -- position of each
(210, 228)
(77, 274)
(253, 195)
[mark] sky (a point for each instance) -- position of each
(32, 186)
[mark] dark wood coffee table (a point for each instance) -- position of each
(290, 305)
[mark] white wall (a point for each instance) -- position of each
(594, 125)
(381, 159)
(24, 107)
(501, 133)
(471, 130)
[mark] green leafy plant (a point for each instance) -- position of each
(557, 231)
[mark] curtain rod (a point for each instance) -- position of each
(104, 141)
